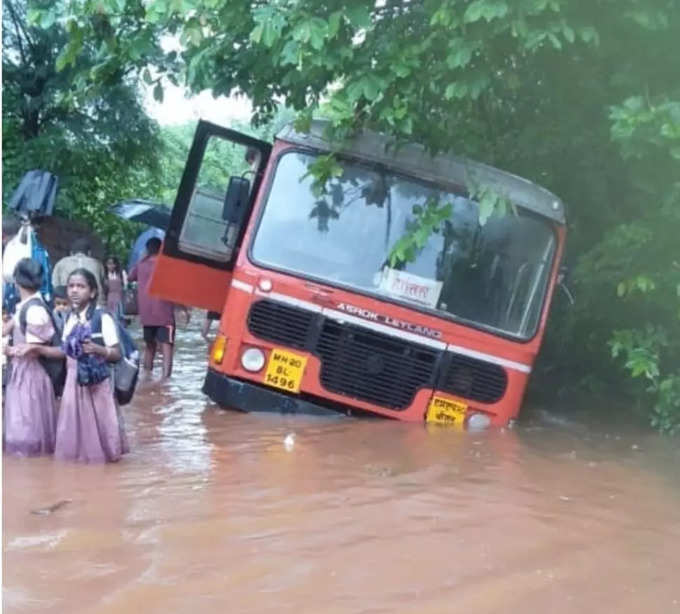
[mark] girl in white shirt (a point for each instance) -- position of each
(89, 428)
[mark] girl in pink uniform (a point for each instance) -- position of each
(29, 418)
(89, 428)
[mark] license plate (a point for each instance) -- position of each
(446, 411)
(285, 370)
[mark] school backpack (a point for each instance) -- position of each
(125, 370)
(39, 254)
(55, 367)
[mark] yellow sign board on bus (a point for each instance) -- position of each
(446, 411)
(285, 370)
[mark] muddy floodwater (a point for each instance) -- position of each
(218, 511)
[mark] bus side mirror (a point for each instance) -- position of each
(236, 199)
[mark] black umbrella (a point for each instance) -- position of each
(144, 211)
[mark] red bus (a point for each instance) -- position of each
(315, 314)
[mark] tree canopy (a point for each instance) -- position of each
(582, 97)
(101, 146)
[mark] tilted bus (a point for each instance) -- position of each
(317, 315)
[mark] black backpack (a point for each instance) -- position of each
(126, 370)
(54, 367)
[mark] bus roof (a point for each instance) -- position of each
(446, 169)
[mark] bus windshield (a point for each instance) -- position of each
(493, 276)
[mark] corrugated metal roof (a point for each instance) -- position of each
(446, 169)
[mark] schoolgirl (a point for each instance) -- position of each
(30, 407)
(89, 426)
(115, 283)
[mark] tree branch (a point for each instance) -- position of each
(15, 20)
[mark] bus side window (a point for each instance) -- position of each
(205, 228)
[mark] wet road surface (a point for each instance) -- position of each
(219, 511)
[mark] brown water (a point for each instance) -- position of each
(211, 512)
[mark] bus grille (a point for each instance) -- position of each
(280, 323)
(475, 379)
(372, 366)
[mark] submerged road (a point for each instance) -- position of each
(218, 511)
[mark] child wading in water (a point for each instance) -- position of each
(115, 283)
(30, 407)
(89, 428)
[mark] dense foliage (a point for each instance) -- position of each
(582, 97)
(102, 146)
(176, 141)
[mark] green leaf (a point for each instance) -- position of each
(62, 59)
(317, 32)
(359, 16)
(47, 19)
(460, 56)
(156, 11)
(269, 34)
(589, 35)
(354, 90)
(371, 87)
(485, 9)
(486, 207)
(33, 17)
(334, 24)
(456, 90)
(554, 40)
(158, 92)
(648, 18)
(256, 34)
(115, 6)
(290, 54)
(401, 70)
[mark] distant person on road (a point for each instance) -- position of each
(156, 315)
(80, 258)
(210, 317)
(115, 283)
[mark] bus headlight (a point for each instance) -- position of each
(252, 360)
(478, 422)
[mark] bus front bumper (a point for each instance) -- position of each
(232, 393)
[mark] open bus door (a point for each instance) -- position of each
(216, 195)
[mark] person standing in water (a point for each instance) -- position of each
(115, 282)
(89, 427)
(30, 406)
(156, 315)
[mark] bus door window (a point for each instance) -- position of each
(208, 230)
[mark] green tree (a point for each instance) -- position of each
(100, 143)
(177, 139)
(581, 97)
